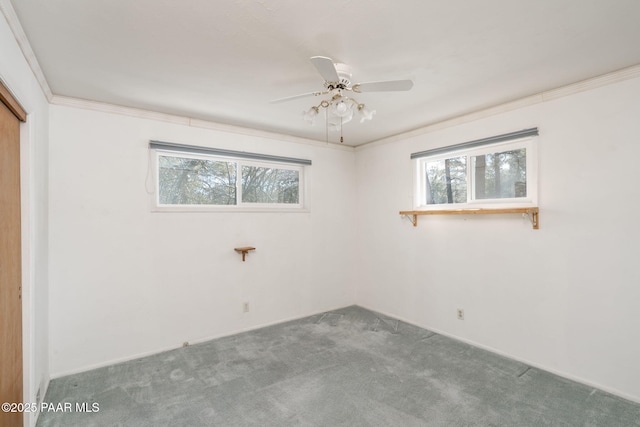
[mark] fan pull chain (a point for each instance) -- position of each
(326, 126)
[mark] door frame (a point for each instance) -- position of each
(8, 99)
(12, 103)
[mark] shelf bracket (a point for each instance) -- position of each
(413, 218)
(244, 251)
(533, 217)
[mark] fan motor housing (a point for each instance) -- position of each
(344, 73)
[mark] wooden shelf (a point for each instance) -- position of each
(531, 212)
(244, 250)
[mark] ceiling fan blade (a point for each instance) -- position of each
(326, 68)
(290, 98)
(385, 86)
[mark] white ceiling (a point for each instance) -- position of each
(224, 61)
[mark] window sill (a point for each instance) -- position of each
(532, 212)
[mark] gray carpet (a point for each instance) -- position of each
(349, 367)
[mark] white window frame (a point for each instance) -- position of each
(531, 200)
(240, 206)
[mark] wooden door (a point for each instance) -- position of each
(10, 261)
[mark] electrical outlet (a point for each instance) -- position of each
(460, 314)
(245, 307)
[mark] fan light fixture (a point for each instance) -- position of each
(340, 109)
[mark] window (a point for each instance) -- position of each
(479, 174)
(445, 180)
(196, 181)
(261, 184)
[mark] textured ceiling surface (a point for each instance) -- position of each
(224, 61)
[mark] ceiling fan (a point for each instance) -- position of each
(339, 106)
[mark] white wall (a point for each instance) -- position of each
(17, 76)
(563, 297)
(126, 281)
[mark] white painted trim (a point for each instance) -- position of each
(27, 269)
(28, 225)
(22, 40)
(618, 393)
(104, 107)
(266, 134)
(194, 342)
(66, 101)
(549, 95)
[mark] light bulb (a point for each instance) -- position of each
(342, 108)
(336, 122)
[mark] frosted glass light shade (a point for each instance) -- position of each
(310, 115)
(365, 113)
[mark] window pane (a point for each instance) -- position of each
(446, 181)
(269, 185)
(187, 181)
(500, 175)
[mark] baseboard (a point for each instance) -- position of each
(617, 393)
(194, 342)
(43, 387)
(533, 364)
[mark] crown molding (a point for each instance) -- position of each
(21, 38)
(623, 74)
(84, 104)
(266, 134)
